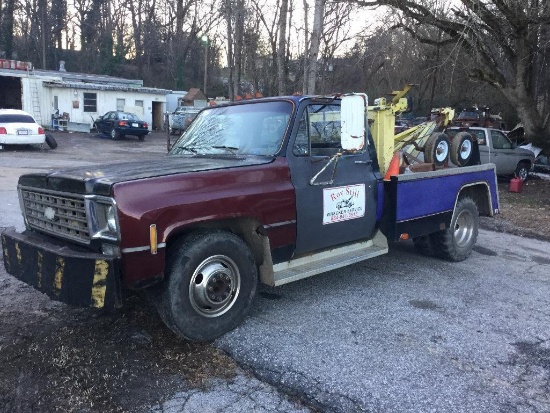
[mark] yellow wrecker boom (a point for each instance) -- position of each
(382, 125)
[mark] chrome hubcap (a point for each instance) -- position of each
(464, 228)
(214, 286)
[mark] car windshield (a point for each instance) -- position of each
(469, 115)
(15, 118)
(255, 128)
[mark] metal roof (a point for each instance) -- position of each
(103, 86)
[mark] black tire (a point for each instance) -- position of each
(462, 148)
(50, 140)
(424, 245)
(437, 149)
(211, 282)
(522, 171)
(456, 242)
(114, 134)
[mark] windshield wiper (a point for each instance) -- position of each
(231, 149)
(187, 148)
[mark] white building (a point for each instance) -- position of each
(82, 97)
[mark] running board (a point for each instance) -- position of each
(328, 260)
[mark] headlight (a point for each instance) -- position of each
(102, 218)
(110, 215)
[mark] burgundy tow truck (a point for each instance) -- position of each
(270, 190)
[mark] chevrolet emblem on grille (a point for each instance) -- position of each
(49, 213)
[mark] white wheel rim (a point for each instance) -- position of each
(465, 149)
(442, 151)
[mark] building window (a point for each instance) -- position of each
(90, 102)
(139, 103)
(120, 103)
(56, 103)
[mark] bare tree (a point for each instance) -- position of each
(504, 40)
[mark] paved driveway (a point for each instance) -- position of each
(405, 333)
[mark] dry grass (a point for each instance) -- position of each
(526, 213)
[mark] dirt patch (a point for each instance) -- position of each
(526, 213)
(64, 359)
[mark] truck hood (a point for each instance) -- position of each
(99, 179)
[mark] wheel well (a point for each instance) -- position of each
(525, 161)
(250, 230)
(480, 195)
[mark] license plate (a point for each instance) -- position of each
(22, 132)
(135, 125)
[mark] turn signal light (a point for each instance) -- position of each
(404, 237)
(145, 125)
(3, 131)
(40, 131)
(153, 238)
(122, 123)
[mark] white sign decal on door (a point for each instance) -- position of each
(343, 203)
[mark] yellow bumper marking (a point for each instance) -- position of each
(18, 253)
(39, 260)
(58, 277)
(99, 286)
(6, 255)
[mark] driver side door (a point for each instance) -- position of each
(336, 191)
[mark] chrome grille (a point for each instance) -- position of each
(58, 214)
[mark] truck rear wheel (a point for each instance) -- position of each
(456, 242)
(212, 279)
(436, 150)
(462, 148)
(423, 245)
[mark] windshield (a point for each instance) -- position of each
(128, 116)
(247, 129)
(469, 115)
(16, 118)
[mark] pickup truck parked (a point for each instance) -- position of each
(271, 190)
(496, 148)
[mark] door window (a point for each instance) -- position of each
(500, 141)
(318, 131)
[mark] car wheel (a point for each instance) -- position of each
(211, 282)
(462, 149)
(114, 134)
(50, 140)
(522, 171)
(436, 150)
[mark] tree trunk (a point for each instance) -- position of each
(315, 44)
(281, 53)
(306, 47)
(229, 18)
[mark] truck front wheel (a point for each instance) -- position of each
(522, 171)
(456, 242)
(212, 279)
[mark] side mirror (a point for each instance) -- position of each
(353, 120)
